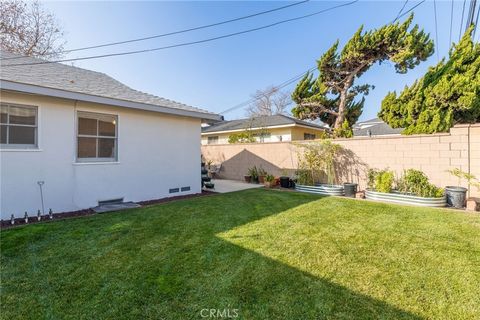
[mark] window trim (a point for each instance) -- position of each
(311, 136)
(20, 146)
(212, 138)
(96, 116)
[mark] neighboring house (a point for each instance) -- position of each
(273, 128)
(374, 127)
(89, 138)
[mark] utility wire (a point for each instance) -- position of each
(476, 23)
(280, 86)
(451, 25)
(287, 82)
(411, 9)
(461, 23)
(401, 10)
(436, 28)
(174, 32)
(187, 43)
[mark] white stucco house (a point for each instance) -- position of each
(88, 138)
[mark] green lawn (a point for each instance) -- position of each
(269, 254)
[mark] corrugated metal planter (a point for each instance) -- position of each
(325, 189)
(397, 197)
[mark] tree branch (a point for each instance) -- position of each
(322, 108)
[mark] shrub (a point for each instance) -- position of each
(241, 137)
(304, 177)
(384, 181)
(269, 178)
(253, 172)
(416, 182)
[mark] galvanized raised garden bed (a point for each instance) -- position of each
(397, 197)
(325, 189)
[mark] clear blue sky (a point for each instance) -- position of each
(221, 74)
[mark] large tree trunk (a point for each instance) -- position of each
(342, 103)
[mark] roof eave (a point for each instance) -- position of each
(58, 93)
(291, 125)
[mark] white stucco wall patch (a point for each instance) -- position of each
(156, 152)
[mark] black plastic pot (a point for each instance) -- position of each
(350, 189)
(284, 182)
(456, 196)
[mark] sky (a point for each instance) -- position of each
(218, 75)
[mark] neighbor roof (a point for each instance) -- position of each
(259, 122)
(60, 80)
(376, 126)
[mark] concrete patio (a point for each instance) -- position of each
(224, 186)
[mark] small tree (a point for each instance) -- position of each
(449, 93)
(269, 102)
(27, 28)
(331, 96)
(318, 158)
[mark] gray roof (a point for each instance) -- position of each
(259, 122)
(81, 81)
(376, 126)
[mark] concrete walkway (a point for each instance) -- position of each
(224, 186)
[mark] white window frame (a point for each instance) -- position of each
(97, 116)
(212, 138)
(6, 146)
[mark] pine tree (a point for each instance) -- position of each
(331, 96)
(448, 94)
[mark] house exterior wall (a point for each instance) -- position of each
(433, 154)
(151, 160)
(298, 133)
(277, 135)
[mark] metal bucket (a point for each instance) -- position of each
(456, 196)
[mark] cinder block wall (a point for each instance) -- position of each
(433, 154)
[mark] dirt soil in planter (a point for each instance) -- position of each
(5, 224)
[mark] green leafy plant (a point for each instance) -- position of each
(261, 171)
(253, 172)
(269, 178)
(304, 177)
(416, 182)
(448, 94)
(241, 137)
(345, 131)
(319, 158)
(470, 178)
(384, 181)
(332, 95)
(371, 175)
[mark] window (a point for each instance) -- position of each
(262, 136)
(18, 126)
(213, 140)
(96, 137)
(308, 136)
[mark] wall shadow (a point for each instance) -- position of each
(237, 166)
(349, 167)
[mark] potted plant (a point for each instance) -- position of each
(413, 188)
(248, 177)
(269, 181)
(457, 195)
(315, 163)
(253, 172)
(261, 175)
(284, 179)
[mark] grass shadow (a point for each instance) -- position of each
(167, 262)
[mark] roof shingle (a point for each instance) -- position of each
(78, 80)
